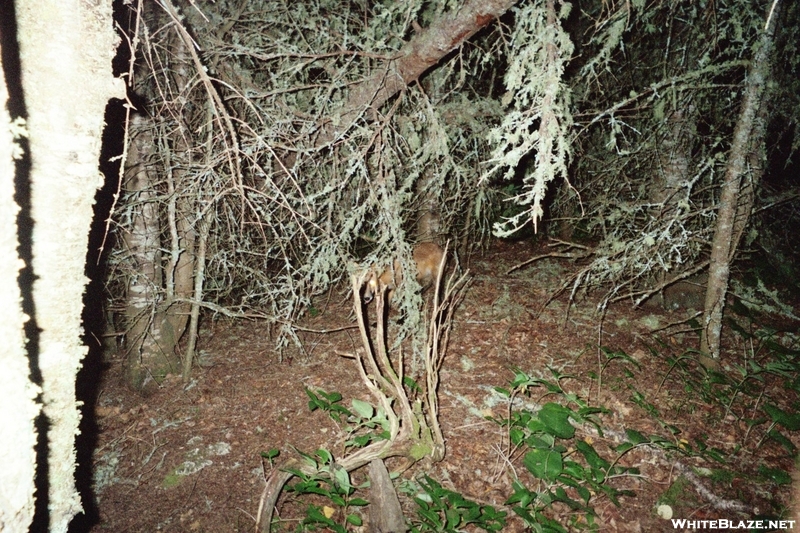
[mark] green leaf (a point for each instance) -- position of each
(336, 410)
(354, 519)
(411, 384)
(516, 436)
(308, 459)
(543, 464)
(559, 494)
(525, 515)
(342, 479)
(452, 519)
(430, 516)
(716, 454)
(571, 468)
(362, 408)
(542, 442)
(776, 475)
(271, 454)
(790, 421)
(360, 441)
(332, 397)
(315, 516)
(584, 493)
(781, 439)
(624, 447)
(314, 401)
(504, 392)
(636, 437)
(534, 425)
(556, 418)
(325, 455)
(592, 457)
(521, 495)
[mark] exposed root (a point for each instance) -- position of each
(414, 431)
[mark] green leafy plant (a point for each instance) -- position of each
(572, 473)
(270, 455)
(365, 423)
(328, 402)
(440, 509)
(769, 357)
(610, 356)
(331, 482)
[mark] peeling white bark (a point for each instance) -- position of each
(18, 408)
(66, 47)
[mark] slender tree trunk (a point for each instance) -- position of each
(157, 301)
(674, 157)
(199, 280)
(726, 236)
(674, 160)
(182, 213)
(66, 48)
(150, 338)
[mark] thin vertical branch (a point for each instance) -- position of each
(199, 279)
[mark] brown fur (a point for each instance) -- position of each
(428, 258)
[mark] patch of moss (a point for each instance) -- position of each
(171, 480)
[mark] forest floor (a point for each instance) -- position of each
(188, 458)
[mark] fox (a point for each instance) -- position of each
(428, 258)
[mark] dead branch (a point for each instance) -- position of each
(426, 49)
(557, 255)
(645, 294)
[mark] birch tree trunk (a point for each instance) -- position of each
(66, 47)
(728, 229)
(18, 407)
